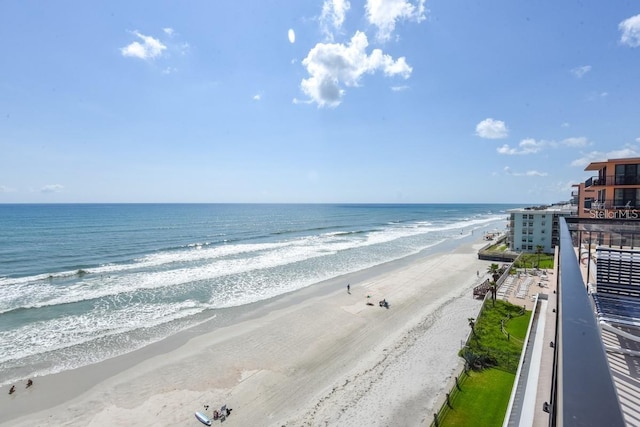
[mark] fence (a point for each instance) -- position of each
(460, 379)
(450, 397)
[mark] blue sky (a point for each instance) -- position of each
(388, 101)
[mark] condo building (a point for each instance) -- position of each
(614, 193)
(530, 228)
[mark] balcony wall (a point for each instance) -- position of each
(583, 391)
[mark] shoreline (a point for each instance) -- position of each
(286, 361)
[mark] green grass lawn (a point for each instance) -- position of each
(485, 393)
(531, 261)
(498, 248)
(518, 326)
(489, 339)
(483, 400)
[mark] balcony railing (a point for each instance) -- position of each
(583, 392)
(612, 180)
(612, 204)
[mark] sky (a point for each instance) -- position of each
(335, 101)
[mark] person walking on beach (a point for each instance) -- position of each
(348, 288)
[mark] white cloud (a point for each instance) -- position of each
(630, 31)
(509, 171)
(594, 156)
(291, 35)
(5, 189)
(257, 97)
(150, 48)
(492, 129)
(385, 13)
(297, 101)
(399, 88)
(581, 71)
(183, 48)
(598, 156)
(565, 124)
(334, 65)
(506, 149)
(333, 15)
(629, 151)
(526, 146)
(532, 146)
(168, 31)
(51, 188)
(579, 141)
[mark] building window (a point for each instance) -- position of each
(626, 197)
(627, 175)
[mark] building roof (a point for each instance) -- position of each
(596, 166)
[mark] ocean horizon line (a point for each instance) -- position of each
(273, 203)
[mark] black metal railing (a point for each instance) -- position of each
(583, 392)
(612, 204)
(612, 180)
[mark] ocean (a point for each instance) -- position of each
(80, 283)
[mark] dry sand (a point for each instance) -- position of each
(319, 356)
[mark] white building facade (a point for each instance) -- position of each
(533, 227)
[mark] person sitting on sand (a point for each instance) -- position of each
(216, 414)
(12, 389)
(29, 383)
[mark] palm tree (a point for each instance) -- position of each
(494, 289)
(494, 270)
(539, 250)
(472, 325)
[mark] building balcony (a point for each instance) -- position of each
(584, 327)
(612, 204)
(611, 180)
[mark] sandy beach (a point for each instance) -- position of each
(318, 356)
